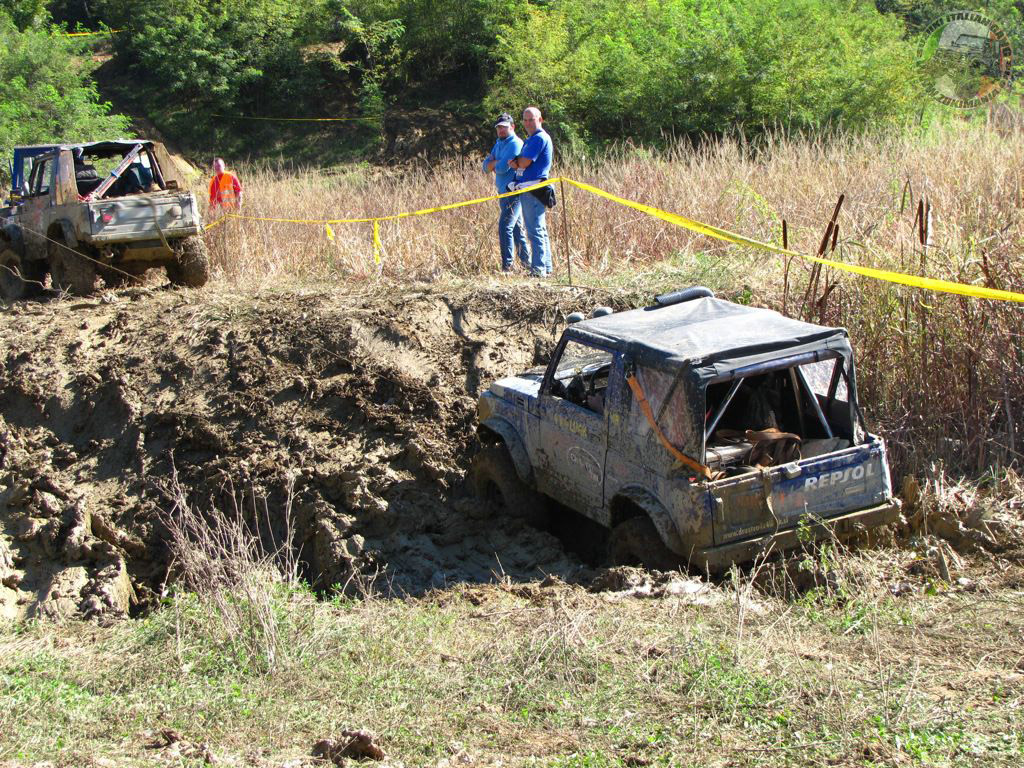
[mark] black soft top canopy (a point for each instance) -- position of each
(110, 145)
(710, 336)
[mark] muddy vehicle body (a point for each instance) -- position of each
(105, 210)
(697, 431)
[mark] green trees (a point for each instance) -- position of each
(46, 93)
(235, 54)
(642, 69)
(602, 70)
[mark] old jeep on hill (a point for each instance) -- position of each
(105, 210)
(697, 431)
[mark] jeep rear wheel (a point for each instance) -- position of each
(636, 542)
(19, 279)
(192, 267)
(496, 483)
(71, 270)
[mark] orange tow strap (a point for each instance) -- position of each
(638, 393)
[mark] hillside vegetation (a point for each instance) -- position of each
(46, 91)
(603, 71)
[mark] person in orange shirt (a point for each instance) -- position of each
(225, 188)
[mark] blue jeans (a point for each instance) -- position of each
(510, 232)
(537, 230)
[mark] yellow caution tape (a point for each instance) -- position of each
(217, 222)
(290, 119)
(391, 217)
(93, 34)
(927, 283)
(913, 281)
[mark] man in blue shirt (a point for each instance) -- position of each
(510, 228)
(532, 165)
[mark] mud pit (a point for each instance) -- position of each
(357, 409)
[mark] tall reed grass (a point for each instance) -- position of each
(942, 375)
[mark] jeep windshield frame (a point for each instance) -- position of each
(157, 161)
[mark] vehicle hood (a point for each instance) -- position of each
(526, 384)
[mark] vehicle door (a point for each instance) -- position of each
(637, 460)
(33, 213)
(573, 425)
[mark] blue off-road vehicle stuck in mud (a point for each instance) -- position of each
(697, 431)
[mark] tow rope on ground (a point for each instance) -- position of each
(886, 275)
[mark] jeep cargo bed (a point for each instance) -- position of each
(134, 217)
(776, 498)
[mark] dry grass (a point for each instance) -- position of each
(941, 376)
(969, 174)
(239, 565)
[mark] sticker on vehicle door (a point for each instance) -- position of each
(586, 463)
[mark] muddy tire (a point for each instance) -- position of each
(19, 279)
(636, 542)
(192, 268)
(496, 484)
(71, 271)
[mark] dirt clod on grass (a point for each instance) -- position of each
(357, 413)
(350, 745)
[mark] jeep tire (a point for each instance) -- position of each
(71, 271)
(635, 541)
(19, 278)
(191, 267)
(496, 484)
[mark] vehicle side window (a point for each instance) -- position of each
(581, 375)
(40, 182)
(819, 377)
(26, 175)
(667, 397)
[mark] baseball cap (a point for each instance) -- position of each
(504, 119)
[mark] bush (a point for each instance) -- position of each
(227, 54)
(46, 93)
(445, 39)
(605, 70)
(246, 592)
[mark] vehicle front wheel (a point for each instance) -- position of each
(19, 279)
(192, 267)
(636, 542)
(496, 484)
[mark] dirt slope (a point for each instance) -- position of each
(356, 410)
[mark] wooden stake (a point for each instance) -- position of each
(785, 284)
(565, 229)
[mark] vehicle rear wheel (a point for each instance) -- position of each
(71, 270)
(496, 483)
(192, 267)
(19, 278)
(636, 542)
